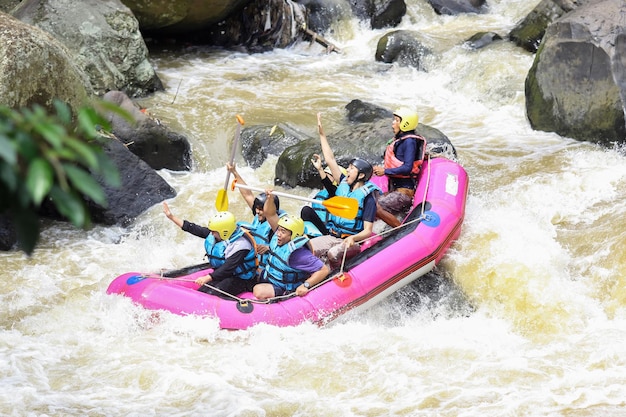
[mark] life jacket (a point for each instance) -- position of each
(392, 162)
(340, 227)
(262, 233)
(278, 271)
(216, 253)
(319, 208)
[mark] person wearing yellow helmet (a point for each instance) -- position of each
(259, 228)
(230, 251)
(291, 264)
(402, 161)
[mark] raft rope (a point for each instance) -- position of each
(418, 219)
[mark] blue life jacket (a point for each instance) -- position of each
(319, 208)
(340, 227)
(216, 252)
(261, 232)
(277, 269)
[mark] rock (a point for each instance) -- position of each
(141, 188)
(8, 234)
(576, 86)
(529, 32)
(258, 142)
(181, 16)
(262, 26)
(402, 47)
(148, 138)
(104, 39)
(481, 39)
(35, 68)
(387, 13)
(455, 7)
(323, 13)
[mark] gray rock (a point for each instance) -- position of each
(455, 7)
(141, 188)
(180, 16)
(577, 84)
(104, 38)
(148, 138)
(530, 30)
(403, 47)
(35, 68)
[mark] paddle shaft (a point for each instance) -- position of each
(279, 194)
(234, 149)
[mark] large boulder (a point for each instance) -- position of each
(530, 30)
(576, 86)
(142, 187)
(181, 16)
(35, 68)
(403, 47)
(156, 144)
(104, 38)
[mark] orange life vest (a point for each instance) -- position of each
(392, 162)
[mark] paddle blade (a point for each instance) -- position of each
(221, 202)
(345, 207)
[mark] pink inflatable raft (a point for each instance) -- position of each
(387, 262)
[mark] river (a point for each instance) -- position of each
(540, 258)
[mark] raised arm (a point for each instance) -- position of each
(328, 153)
(170, 215)
(248, 195)
(269, 210)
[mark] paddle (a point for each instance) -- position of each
(345, 207)
(221, 202)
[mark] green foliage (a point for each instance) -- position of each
(56, 157)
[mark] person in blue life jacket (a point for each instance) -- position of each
(403, 158)
(259, 228)
(342, 234)
(329, 187)
(291, 265)
(230, 251)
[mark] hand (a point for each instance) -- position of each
(319, 123)
(317, 162)
(301, 290)
(231, 168)
(349, 241)
(203, 280)
(261, 249)
(166, 210)
(379, 170)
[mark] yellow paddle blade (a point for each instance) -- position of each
(221, 202)
(345, 207)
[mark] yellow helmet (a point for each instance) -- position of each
(408, 119)
(224, 223)
(295, 224)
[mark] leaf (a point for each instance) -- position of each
(7, 150)
(39, 180)
(64, 113)
(88, 120)
(85, 183)
(70, 206)
(54, 134)
(86, 153)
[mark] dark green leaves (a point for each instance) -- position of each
(54, 157)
